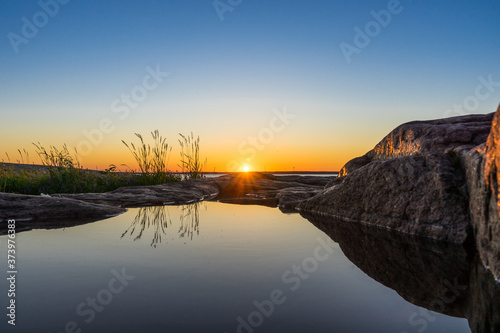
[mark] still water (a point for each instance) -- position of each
(212, 267)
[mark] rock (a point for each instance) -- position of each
(176, 193)
(248, 188)
(483, 174)
(419, 195)
(413, 181)
(269, 190)
(245, 188)
(31, 211)
(427, 137)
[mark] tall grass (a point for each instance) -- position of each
(63, 172)
(152, 159)
(190, 156)
(62, 167)
(22, 181)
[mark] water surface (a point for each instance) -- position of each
(207, 267)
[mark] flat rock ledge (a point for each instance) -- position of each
(177, 193)
(244, 188)
(253, 188)
(49, 210)
(72, 209)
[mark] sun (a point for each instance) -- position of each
(246, 168)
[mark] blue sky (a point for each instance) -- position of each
(226, 77)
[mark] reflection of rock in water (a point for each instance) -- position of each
(484, 301)
(441, 277)
(157, 219)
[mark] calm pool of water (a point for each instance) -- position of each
(207, 267)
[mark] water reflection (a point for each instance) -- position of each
(190, 221)
(156, 221)
(441, 277)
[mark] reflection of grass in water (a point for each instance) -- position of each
(158, 219)
(190, 221)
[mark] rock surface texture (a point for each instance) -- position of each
(62, 210)
(413, 181)
(264, 189)
(483, 175)
(31, 207)
(245, 188)
(155, 195)
(31, 211)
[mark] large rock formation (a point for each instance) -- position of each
(413, 181)
(487, 230)
(437, 179)
(482, 165)
(433, 137)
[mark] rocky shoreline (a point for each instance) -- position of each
(434, 179)
(73, 209)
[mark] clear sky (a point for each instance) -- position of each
(273, 84)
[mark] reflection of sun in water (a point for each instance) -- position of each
(246, 168)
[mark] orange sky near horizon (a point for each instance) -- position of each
(259, 141)
(219, 159)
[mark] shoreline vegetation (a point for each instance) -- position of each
(61, 172)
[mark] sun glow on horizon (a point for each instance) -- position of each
(246, 168)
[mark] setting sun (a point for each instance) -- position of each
(246, 168)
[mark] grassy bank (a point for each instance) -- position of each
(63, 173)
